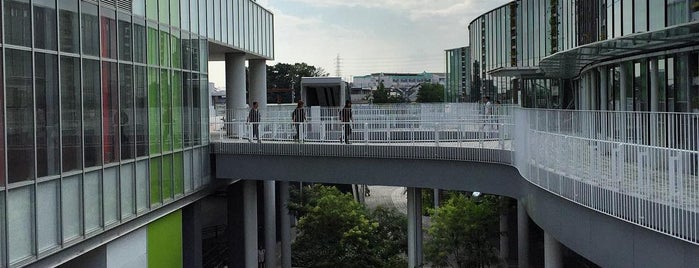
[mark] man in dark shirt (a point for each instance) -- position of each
(254, 119)
(298, 117)
(346, 119)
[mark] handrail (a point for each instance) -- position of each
(640, 167)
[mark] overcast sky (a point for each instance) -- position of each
(369, 35)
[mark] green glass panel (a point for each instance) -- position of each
(166, 109)
(155, 171)
(164, 48)
(167, 177)
(152, 45)
(164, 11)
(165, 242)
(152, 9)
(153, 111)
(175, 11)
(178, 163)
(176, 44)
(177, 109)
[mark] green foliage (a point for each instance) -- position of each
(336, 231)
(382, 95)
(284, 75)
(461, 232)
(430, 93)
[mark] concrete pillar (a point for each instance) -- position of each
(504, 236)
(285, 222)
(270, 225)
(258, 83)
(654, 84)
(250, 222)
(604, 93)
(553, 257)
(522, 236)
(235, 87)
(191, 236)
(623, 86)
(235, 231)
(414, 227)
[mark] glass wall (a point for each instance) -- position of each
(104, 111)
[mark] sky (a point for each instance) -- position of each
(370, 36)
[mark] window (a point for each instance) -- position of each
(154, 111)
(152, 9)
(186, 51)
(109, 34)
(677, 12)
(139, 42)
(139, 7)
(110, 112)
(175, 49)
(92, 113)
(166, 109)
(71, 115)
(126, 114)
(640, 15)
(18, 23)
(175, 12)
(657, 16)
(125, 37)
(45, 24)
(177, 109)
(164, 11)
(155, 170)
(141, 110)
(164, 47)
(69, 23)
(47, 115)
(20, 115)
(2, 130)
(90, 29)
(153, 44)
(196, 106)
(187, 98)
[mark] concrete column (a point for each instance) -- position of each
(250, 222)
(553, 257)
(285, 222)
(654, 84)
(258, 82)
(522, 236)
(235, 86)
(191, 236)
(414, 227)
(624, 85)
(604, 93)
(504, 236)
(270, 225)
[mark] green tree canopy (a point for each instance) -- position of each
(461, 232)
(382, 95)
(285, 75)
(336, 231)
(430, 92)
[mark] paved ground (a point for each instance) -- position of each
(388, 196)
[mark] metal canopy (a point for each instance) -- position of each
(569, 63)
(516, 72)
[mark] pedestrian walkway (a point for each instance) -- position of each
(387, 196)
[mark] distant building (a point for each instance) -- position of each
(458, 79)
(403, 84)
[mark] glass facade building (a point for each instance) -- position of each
(548, 53)
(458, 78)
(105, 111)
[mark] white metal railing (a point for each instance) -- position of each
(635, 166)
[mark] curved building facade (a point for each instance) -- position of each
(624, 55)
(104, 117)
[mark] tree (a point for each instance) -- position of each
(430, 92)
(461, 232)
(284, 75)
(382, 95)
(336, 231)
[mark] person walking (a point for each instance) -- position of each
(254, 119)
(298, 116)
(346, 119)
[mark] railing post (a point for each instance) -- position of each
(436, 134)
(366, 133)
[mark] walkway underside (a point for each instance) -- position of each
(605, 240)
